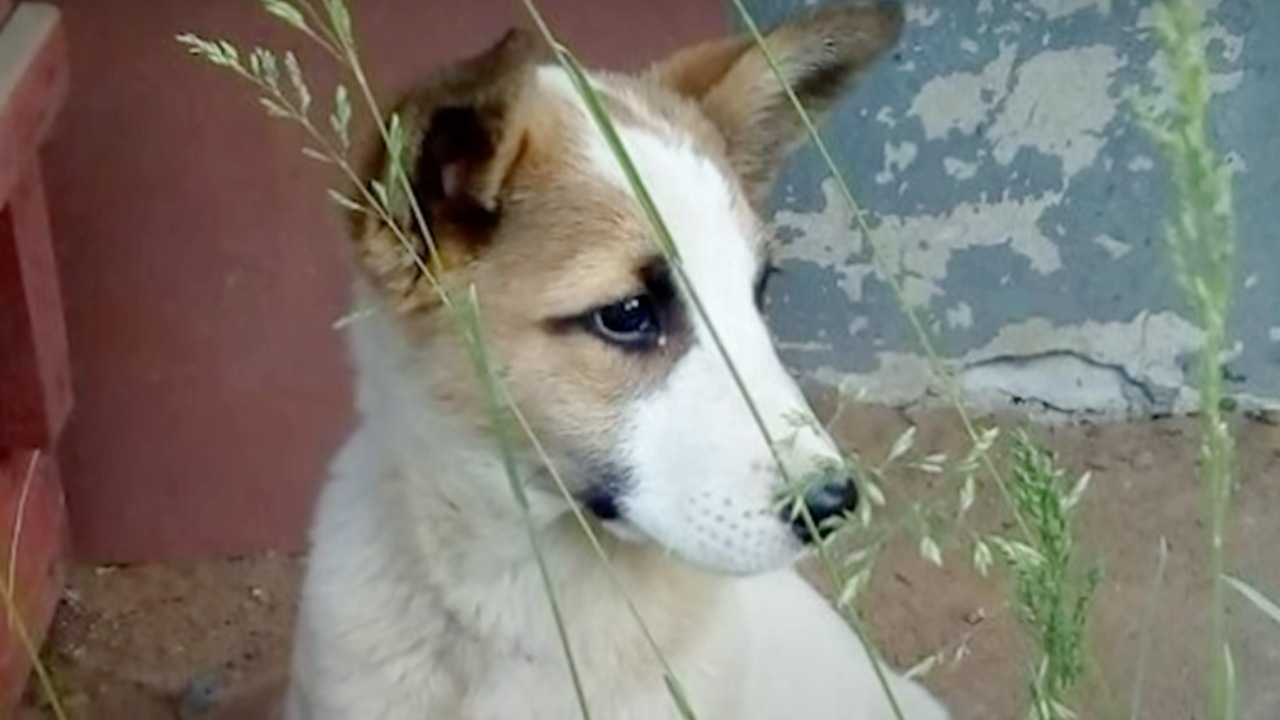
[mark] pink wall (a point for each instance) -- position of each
(202, 269)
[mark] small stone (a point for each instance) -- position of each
(1265, 416)
(200, 696)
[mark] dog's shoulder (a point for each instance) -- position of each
(805, 661)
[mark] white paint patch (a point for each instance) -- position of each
(1235, 163)
(826, 238)
(1114, 370)
(1012, 28)
(1274, 334)
(896, 159)
(960, 316)
(1222, 83)
(1060, 105)
(900, 379)
(961, 101)
(1054, 9)
(1148, 348)
(959, 169)
(1251, 281)
(1231, 354)
(885, 117)
(1141, 163)
(1114, 248)
(1053, 383)
(922, 16)
(802, 346)
(918, 249)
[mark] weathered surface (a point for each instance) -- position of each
(1022, 209)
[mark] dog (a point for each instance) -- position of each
(423, 597)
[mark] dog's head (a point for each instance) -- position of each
(615, 356)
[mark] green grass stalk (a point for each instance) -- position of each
(1201, 248)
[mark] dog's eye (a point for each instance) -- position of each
(632, 323)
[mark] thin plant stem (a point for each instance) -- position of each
(401, 177)
(1201, 249)
(478, 351)
(17, 624)
(669, 249)
(1144, 643)
(469, 321)
(922, 335)
(665, 242)
(585, 524)
(318, 30)
(19, 521)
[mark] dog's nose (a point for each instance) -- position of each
(825, 501)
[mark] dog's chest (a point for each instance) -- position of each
(545, 691)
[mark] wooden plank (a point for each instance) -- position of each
(35, 385)
(34, 78)
(34, 531)
(35, 373)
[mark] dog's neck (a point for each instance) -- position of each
(470, 540)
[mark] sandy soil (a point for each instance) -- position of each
(129, 642)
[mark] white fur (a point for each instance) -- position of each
(709, 479)
(423, 600)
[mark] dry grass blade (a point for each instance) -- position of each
(1255, 596)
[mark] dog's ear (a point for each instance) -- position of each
(462, 135)
(819, 53)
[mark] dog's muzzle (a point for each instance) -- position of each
(826, 502)
(603, 494)
(602, 502)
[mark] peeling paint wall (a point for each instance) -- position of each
(1022, 210)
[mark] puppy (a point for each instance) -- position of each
(423, 598)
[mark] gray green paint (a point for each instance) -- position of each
(996, 154)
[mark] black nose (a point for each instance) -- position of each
(826, 501)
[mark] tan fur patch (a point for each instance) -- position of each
(568, 244)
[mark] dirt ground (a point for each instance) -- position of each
(129, 641)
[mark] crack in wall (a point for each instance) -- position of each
(1041, 378)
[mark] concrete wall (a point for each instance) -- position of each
(1023, 210)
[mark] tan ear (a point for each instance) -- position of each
(462, 134)
(819, 52)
